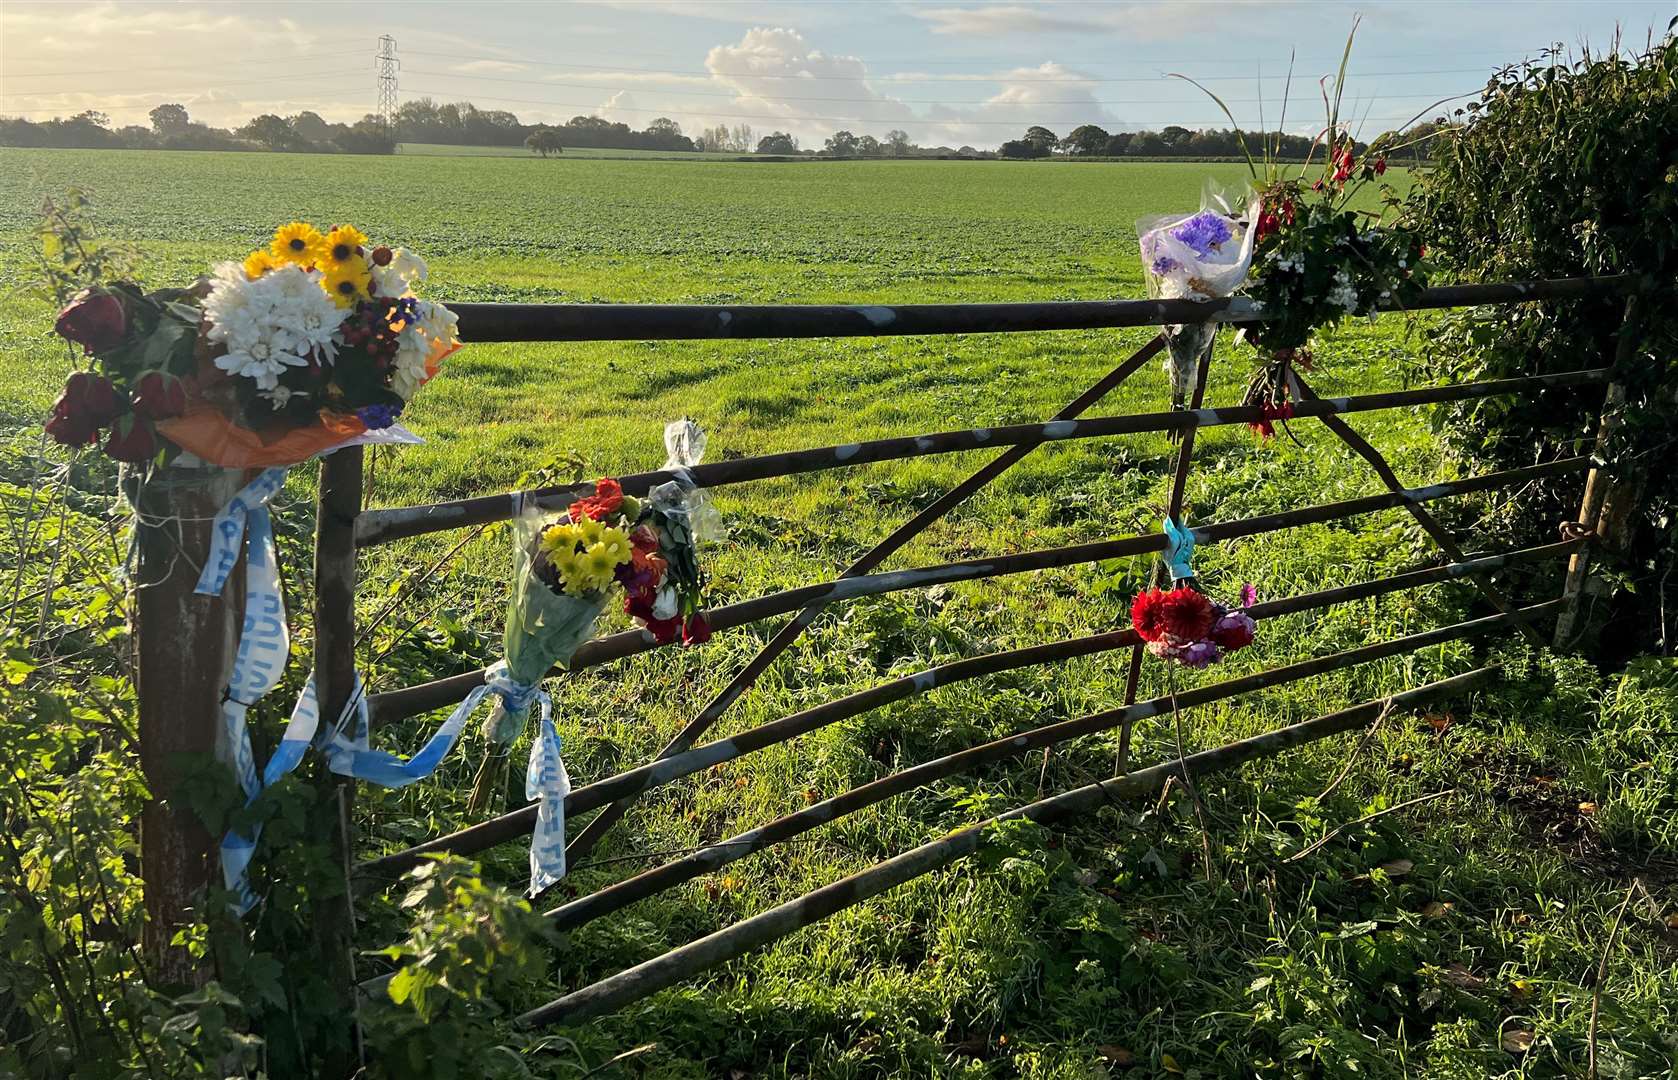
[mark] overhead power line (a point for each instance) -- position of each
(293, 77)
(804, 76)
(782, 118)
(178, 67)
(602, 87)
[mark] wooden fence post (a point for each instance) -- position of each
(1597, 518)
(338, 503)
(184, 645)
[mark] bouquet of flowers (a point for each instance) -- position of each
(1185, 625)
(1203, 256)
(1316, 259)
(565, 572)
(312, 343)
(1316, 262)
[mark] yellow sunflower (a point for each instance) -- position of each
(259, 262)
(347, 282)
(342, 243)
(299, 243)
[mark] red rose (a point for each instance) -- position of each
(70, 427)
(158, 396)
(663, 630)
(96, 395)
(92, 319)
(134, 445)
(644, 539)
(89, 402)
(607, 497)
(1233, 631)
(696, 631)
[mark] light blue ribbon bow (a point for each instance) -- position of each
(1181, 549)
(545, 776)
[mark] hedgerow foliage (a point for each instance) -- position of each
(1567, 168)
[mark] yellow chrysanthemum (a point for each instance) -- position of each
(347, 282)
(616, 544)
(589, 531)
(299, 243)
(259, 262)
(560, 538)
(342, 244)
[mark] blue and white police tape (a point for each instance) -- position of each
(1180, 551)
(264, 646)
(546, 781)
(350, 754)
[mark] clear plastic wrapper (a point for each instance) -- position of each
(1199, 256)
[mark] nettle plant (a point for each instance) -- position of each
(1318, 258)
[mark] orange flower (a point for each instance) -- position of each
(607, 497)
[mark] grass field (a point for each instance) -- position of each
(570, 153)
(1411, 946)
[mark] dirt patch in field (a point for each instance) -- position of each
(1552, 812)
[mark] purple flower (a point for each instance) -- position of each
(377, 417)
(1203, 232)
(1199, 654)
(1249, 594)
(1164, 265)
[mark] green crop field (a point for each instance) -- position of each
(571, 152)
(1412, 945)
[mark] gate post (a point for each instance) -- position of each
(183, 647)
(337, 505)
(1605, 503)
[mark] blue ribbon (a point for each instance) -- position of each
(545, 778)
(353, 755)
(264, 647)
(1180, 551)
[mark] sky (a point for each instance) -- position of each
(949, 72)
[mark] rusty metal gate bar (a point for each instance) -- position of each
(344, 527)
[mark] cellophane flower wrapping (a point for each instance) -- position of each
(1199, 256)
(544, 628)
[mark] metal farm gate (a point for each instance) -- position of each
(344, 528)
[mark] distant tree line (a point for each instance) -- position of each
(423, 120)
(1173, 141)
(173, 129)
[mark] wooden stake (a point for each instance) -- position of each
(184, 646)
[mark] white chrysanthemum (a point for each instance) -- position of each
(275, 322)
(230, 300)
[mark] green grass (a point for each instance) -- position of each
(570, 152)
(1030, 962)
